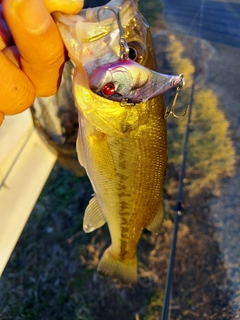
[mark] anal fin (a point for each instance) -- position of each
(156, 224)
(93, 217)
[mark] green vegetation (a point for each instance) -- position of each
(155, 306)
(211, 154)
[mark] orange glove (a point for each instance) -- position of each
(32, 54)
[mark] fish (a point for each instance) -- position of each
(122, 148)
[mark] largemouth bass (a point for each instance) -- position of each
(122, 148)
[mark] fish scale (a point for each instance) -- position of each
(139, 189)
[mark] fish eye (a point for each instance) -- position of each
(108, 89)
(132, 53)
(136, 51)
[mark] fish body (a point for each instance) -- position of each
(124, 152)
(123, 149)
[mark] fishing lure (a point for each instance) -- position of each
(128, 82)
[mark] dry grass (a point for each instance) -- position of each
(50, 277)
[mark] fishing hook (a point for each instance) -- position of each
(170, 110)
(124, 49)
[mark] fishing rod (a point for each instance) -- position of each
(178, 212)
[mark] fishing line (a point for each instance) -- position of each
(178, 212)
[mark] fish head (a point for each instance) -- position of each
(95, 43)
(92, 43)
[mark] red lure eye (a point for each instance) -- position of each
(108, 89)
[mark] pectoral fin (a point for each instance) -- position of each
(93, 217)
(156, 224)
(80, 142)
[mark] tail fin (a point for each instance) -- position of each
(123, 270)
